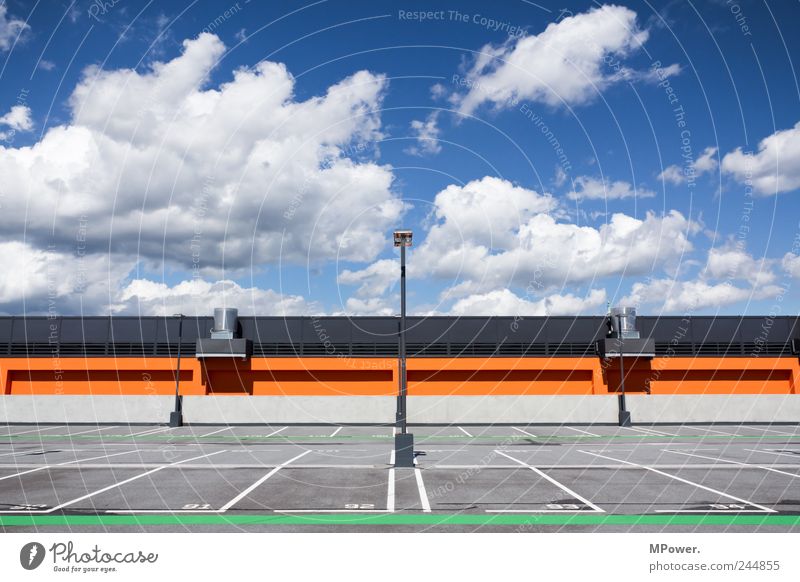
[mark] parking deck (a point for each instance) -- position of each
(341, 478)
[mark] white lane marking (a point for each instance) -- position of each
(92, 430)
(334, 433)
(676, 478)
(733, 462)
(423, 495)
(331, 511)
(37, 429)
(390, 491)
(258, 483)
(767, 430)
(583, 431)
(149, 431)
(214, 432)
(465, 432)
(34, 452)
(43, 467)
(539, 511)
(708, 430)
(648, 431)
(524, 432)
(766, 452)
(277, 431)
(710, 511)
(126, 481)
(554, 482)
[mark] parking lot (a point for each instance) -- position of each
(342, 478)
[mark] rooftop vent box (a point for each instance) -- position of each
(623, 337)
(225, 341)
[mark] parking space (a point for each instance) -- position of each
(461, 472)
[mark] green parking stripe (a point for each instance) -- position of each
(788, 521)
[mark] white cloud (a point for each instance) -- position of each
(438, 91)
(427, 135)
(566, 63)
(385, 306)
(505, 302)
(775, 168)
(18, 118)
(734, 263)
(705, 163)
(242, 174)
(10, 28)
(673, 296)
(490, 234)
(373, 280)
(791, 264)
(46, 65)
(199, 297)
(589, 188)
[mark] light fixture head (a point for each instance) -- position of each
(402, 238)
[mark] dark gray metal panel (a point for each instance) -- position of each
(374, 329)
(133, 329)
(473, 330)
(34, 329)
(716, 329)
(525, 330)
(193, 328)
(574, 329)
(6, 324)
(86, 330)
(426, 330)
(276, 330)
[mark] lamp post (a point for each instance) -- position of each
(403, 441)
(176, 416)
(624, 415)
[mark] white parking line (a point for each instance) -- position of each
(583, 431)
(277, 431)
(255, 485)
(554, 482)
(766, 452)
(334, 433)
(126, 481)
(92, 430)
(149, 431)
(707, 430)
(390, 491)
(38, 429)
(43, 467)
(464, 431)
(648, 431)
(423, 495)
(524, 432)
(676, 478)
(767, 430)
(214, 432)
(734, 463)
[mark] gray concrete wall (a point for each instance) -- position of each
(289, 409)
(714, 408)
(381, 409)
(89, 409)
(512, 409)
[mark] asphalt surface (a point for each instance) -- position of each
(467, 478)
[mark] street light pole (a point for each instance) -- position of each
(176, 417)
(403, 440)
(624, 415)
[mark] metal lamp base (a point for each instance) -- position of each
(624, 418)
(175, 419)
(404, 450)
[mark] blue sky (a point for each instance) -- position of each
(168, 156)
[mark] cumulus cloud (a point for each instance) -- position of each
(10, 28)
(569, 62)
(705, 163)
(589, 188)
(373, 280)
(427, 136)
(733, 262)
(791, 264)
(491, 234)
(17, 119)
(197, 297)
(673, 296)
(775, 168)
(162, 166)
(504, 302)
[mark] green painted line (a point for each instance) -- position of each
(430, 519)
